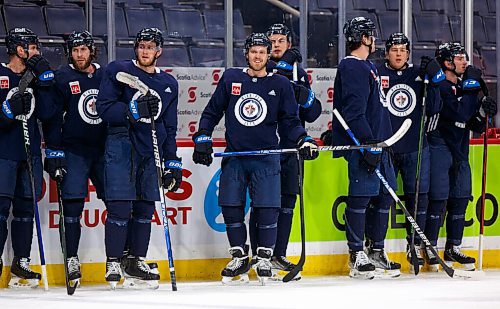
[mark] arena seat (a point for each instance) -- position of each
(186, 23)
(64, 20)
(215, 22)
(174, 54)
(141, 17)
(100, 17)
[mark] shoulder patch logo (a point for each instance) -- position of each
(4, 82)
(236, 88)
(272, 93)
(168, 90)
(384, 81)
(75, 87)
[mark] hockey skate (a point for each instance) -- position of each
(74, 273)
(419, 258)
(263, 265)
(22, 275)
(236, 271)
(282, 264)
(361, 267)
(138, 274)
(453, 254)
(113, 272)
(430, 259)
(383, 266)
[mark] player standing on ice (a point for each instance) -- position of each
(255, 103)
(283, 57)
(361, 102)
(403, 85)
(130, 178)
(15, 188)
(81, 137)
(449, 148)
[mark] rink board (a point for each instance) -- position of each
(198, 233)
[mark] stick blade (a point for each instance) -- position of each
(133, 81)
(293, 273)
(399, 133)
(469, 275)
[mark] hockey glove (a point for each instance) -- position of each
(472, 80)
(18, 104)
(430, 67)
(146, 106)
(290, 56)
(172, 175)
(55, 164)
(327, 138)
(476, 124)
(488, 106)
(308, 148)
(304, 97)
(203, 148)
(371, 159)
(41, 69)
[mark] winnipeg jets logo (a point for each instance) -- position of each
(32, 108)
(402, 100)
(87, 108)
(250, 109)
(153, 92)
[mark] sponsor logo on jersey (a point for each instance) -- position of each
(192, 94)
(4, 82)
(329, 93)
(236, 88)
(32, 107)
(215, 76)
(250, 109)
(402, 100)
(86, 106)
(75, 87)
(385, 82)
(137, 94)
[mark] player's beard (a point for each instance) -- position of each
(82, 67)
(146, 64)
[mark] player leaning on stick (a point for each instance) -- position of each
(360, 101)
(403, 85)
(15, 188)
(449, 149)
(255, 103)
(130, 177)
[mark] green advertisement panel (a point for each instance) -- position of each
(325, 193)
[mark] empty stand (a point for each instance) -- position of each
(64, 20)
(432, 28)
(174, 54)
(139, 18)
(185, 23)
(215, 22)
(207, 55)
(100, 17)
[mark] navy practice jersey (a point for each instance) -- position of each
(309, 114)
(253, 109)
(113, 102)
(404, 90)
(11, 133)
(458, 109)
(359, 99)
(75, 93)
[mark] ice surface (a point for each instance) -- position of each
(428, 290)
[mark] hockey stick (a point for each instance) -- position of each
(23, 84)
(300, 264)
(453, 273)
(136, 83)
(413, 252)
(483, 188)
(70, 289)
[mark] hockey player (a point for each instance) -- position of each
(81, 137)
(360, 101)
(15, 187)
(130, 178)
(449, 150)
(283, 56)
(255, 103)
(402, 84)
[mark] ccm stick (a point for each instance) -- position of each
(453, 273)
(136, 83)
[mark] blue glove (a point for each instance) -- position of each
(146, 106)
(40, 67)
(304, 97)
(203, 148)
(471, 81)
(172, 175)
(371, 158)
(55, 164)
(18, 104)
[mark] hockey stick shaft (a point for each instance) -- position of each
(293, 273)
(374, 147)
(23, 84)
(134, 82)
(449, 271)
(483, 197)
(421, 135)
(62, 234)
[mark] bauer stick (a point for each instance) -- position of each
(413, 251)
(70, 289)
(23, 84)
(136, 83)
(453, 273)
